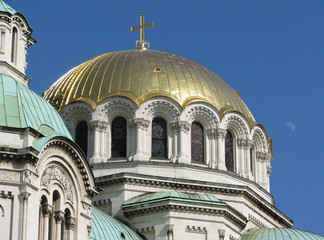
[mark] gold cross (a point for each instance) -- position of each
(141, 27)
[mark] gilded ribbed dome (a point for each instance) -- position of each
(142, 74)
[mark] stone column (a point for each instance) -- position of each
(183, 156)
(241, 157)
(69, 224)
(174, 127)
(58, 216)
(141, 128)
(221, 134)
(170, 234)
(103, 145)
(258, 172)
(249, 145)
(97, 128)
(212, 133)
(47, 210)
(24, 196)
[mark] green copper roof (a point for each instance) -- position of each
(20, 107)
(174, 195)
(106, 227)
(4, 7)
(279, 234)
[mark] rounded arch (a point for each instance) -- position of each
(114, 107)
(202, 113)
(260, 140)
(237, 124)
(159, 107)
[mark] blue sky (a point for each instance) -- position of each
(269, 51)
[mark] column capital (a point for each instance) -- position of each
(141, 123)
(184, 126)
(70, 223)
(98, 125)
(221, 133)
(47, 210)
(59, 216)
(212, 132)
(244, 143)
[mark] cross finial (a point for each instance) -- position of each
(141, 27)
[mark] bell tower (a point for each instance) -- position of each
(15, 38)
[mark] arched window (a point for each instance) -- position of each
(81, 136)
(197, 143)
(229, 152)
(14, 45)
(118, 137)
(159, 138)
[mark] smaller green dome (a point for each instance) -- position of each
(173, 195)
(279, 234)
(20, 107)
(4, 7)
(106, 227)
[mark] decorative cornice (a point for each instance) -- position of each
(256, 221)
(182, 208)
(243, 192)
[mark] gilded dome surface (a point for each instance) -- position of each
(140, 75)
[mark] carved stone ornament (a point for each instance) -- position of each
(141, 123)
(9, 175)
(98, 126)
(221, 133)
(53, 173)
(87, 207)
(184, 126)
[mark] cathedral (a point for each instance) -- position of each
(136, 144)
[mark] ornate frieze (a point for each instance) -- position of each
(7, 175)
(55, 173)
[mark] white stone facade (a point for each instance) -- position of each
(138, 173)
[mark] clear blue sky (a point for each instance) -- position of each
(269, 51)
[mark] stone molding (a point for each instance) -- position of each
(11, 176)
(129, 213)
(256, 221)
(244, 192)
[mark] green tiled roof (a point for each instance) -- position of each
(280, 234)
(4, 7)
(174, 195)
(106, 227)
(20, 107)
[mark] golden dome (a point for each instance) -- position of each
(142, 74)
